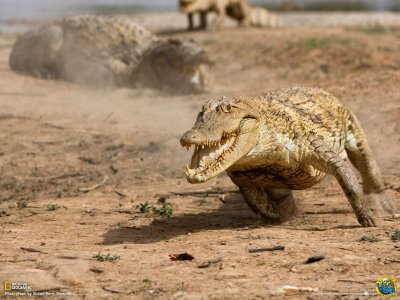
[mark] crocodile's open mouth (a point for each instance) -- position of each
(211, 158)
(217, 150)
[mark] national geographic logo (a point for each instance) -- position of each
(22, 288)
(16, 285)
(7, 285)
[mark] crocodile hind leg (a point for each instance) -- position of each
(360, 156)
(283, 201)
(325, 159)
(275, 205)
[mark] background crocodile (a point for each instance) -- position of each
(110, 51)
(240, 10)
(285, 140)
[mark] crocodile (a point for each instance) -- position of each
(285, 140)
(240, 10)
(110, 51)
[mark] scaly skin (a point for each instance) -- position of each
(240, 10)
(106, 51)
(283, 141)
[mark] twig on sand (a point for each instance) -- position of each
(45, 142)
(53, 126)
(32, 250)
(313, 259)
(67, 257)
(120, 193)
(200, 193)
(112, 290)
(108, 116)
(350, 280)
(210, 262)
(93, 187)
(62, 176)
(275, 248)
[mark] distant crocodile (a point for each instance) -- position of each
(241, 10)
(283, 141)
(110, 51)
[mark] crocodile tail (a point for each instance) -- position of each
(261, 17)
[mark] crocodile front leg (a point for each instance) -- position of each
(323, 158)
(360, 156)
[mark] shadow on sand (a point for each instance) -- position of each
(234, 214)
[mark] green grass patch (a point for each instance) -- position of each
(375, 28)
(396, 236)
(3, 213)
(161, 208)
(53, 207)
(106, 257)
(164, 208)
(143, 207)
(315, 43)
(370, 238)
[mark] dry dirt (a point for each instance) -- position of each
(58, 140)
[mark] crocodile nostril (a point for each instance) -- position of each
(191, 137)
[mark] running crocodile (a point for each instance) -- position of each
(285, 140)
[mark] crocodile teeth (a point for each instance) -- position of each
(190, 172)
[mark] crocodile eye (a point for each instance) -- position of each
(227, 108)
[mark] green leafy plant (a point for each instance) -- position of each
(396, 236)
(53, 206)
(3, 213)
(370, 238)
(143, 207)
(106, 257)
(165, 208)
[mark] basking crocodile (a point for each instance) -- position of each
(110, 51)
(283, 141)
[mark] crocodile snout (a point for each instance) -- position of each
(191, 137)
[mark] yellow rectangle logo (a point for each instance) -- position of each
(7, 285)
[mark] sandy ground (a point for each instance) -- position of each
(58, 140)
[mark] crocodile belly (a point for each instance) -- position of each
(276, 176)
